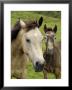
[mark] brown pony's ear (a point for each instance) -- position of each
(55, 29)
(45, 28)
(40, 21)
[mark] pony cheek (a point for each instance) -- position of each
(25, 47)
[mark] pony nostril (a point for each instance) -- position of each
(37, 63)
(39, 66)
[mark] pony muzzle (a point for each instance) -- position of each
(50, 51)
(39, 67)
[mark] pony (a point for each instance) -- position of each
(26, 42)
(52, 54)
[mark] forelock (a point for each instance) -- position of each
(31, 25)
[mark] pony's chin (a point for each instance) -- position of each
(38, 69)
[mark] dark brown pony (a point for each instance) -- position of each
(52, 54)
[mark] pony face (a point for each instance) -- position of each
(31, 40)
(50, 36)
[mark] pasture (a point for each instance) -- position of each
(50, 19)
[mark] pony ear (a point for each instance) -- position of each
(22, 23)
(45, 28)
(55, 29)
(40, 21)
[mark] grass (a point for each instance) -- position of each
(31, 74)
(50, 20)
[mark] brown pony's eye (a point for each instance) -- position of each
(28, 40)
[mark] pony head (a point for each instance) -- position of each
(50, 36)
(30, 39)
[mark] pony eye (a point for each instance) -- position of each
(28, 40)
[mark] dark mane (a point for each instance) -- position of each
(48, 29)
(31, 25)
(15, 30)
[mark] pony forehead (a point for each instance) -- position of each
(34, 33)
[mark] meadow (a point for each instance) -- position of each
(50, 18)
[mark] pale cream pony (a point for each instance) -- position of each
(26, 41)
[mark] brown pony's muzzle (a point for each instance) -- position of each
(50, 51)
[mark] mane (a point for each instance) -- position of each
(15, 30)
(48, 29)
(31, 25)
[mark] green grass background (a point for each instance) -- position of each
(50, 18)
